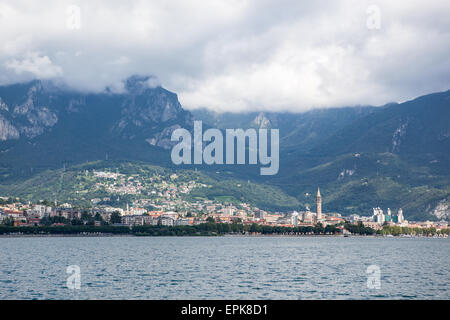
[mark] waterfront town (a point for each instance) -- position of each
(168, 210)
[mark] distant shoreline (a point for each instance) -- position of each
(107, 235)
(209, 229)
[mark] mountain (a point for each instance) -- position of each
(298, 131)
(43, 126)
(83, 184)
(397, 156)
(394, 156)
(416, 128)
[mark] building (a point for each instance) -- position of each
(372, 224)
(311, 218)
(12, 213)
(228, 211)
(380, 218)
(308, 217)
(67, 213)
(294, 218)
(400, 217)
(183, 222)
(319, 206)
(166, 220)
(441, 225)
(332, 220)
(354, 218)
(272, 218)
(260, 214)
(137, 211)
(39, 210)
(288, 219)
(130, 220)
(378, 215)
(139, 220)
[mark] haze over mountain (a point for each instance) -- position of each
(361, 157)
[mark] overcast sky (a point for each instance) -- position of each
(235, 55)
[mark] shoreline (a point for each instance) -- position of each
(108, 235)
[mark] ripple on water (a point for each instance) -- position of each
(224, 267)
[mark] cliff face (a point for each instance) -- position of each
(29, 110)
(44, 125)
(150, 113)
(26, 117)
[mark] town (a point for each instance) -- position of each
(160, 202)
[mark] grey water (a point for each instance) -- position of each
(224, 268)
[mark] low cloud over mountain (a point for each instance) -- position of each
(234, 55)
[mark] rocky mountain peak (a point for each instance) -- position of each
(145, 112)
(137, 84)
(261, 121)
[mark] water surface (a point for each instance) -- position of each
(224, 267)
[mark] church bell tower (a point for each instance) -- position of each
(319, 205)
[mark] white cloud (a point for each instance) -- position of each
(235, 55)
(38, 66)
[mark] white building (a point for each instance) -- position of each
(354, 218)
(182, 222)
(400, 217)
(112, 209)
(294, 218)
(166, 220)
(40, 211)
(228, 211)
(308, 217)
(137, 220)
(378, 215)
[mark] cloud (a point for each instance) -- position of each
(38, 66)
(234, 55)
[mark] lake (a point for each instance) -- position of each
(225, 268)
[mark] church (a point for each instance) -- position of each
(312, 218)
(319, 217)
(308, 218)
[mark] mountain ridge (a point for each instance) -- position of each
(396, 155)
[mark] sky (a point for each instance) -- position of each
(230, 55)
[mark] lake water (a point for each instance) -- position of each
(224, 267)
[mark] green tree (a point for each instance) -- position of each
(8, 221)
(87, 218)
(116, 217)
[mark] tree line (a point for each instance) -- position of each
(397, 230)
(85, 225)
(208, 228)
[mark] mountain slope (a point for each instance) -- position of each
(420, 126)
(397, 156)
(393, 156)
(43, 126)
(298, 131)
(80, 186)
